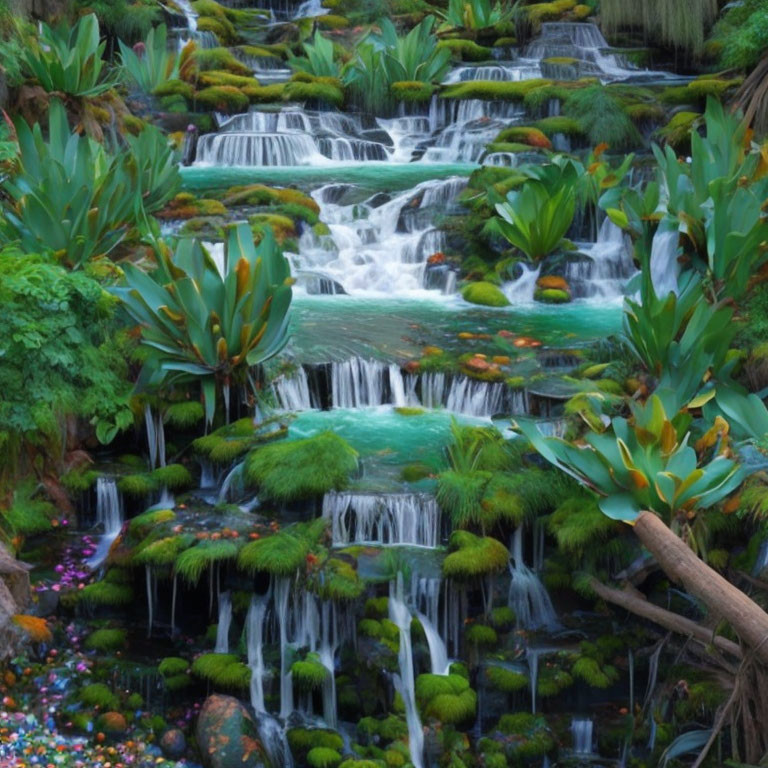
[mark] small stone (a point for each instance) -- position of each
(173, 744)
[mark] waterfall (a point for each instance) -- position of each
(394, 518)
(254, 623)
(528, 597)
(234, 479)
(357, 383)
(274, 740)
(326, 654)
(482, 398)
(608, 268)
(292, 392)
(405, 682)
(663, 263)
(521, 290)
(438, 653)
(109, 516)
(225, 620)
(581, 730)
(282, 593)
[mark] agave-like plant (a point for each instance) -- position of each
(154, 65)
(206, 323)
(476, 14)
(318, 59)
(69, 59)
(535, 218)
(69, 196)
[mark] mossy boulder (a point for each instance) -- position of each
(466, 50)
(446, 698)
(551, 296)
(412, 90)
(471, 556)
(485, 294)
(223, 98)
(228, 736)
(529, 135)
(221, 59)
(505, 679)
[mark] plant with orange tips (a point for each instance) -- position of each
(35, 628)
(206, 322)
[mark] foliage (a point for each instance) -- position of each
(384, 58)
(125, 19)
(69, 59)
(192, 562)
(202, 325)
(26, 514)
(223, 670)
(318, 59)
(56, 356)
(106, 593)
(643, 464)
(741, 34)
(106, 640)
(309, 673)
(35, 627)
(153, 66)
(471, 556)
(601, 117)
(297, 469)
(283, 553)
(476, 14)
(447, 698)
(184, 415)
(98, 695)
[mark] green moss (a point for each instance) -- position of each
(485, 294)
(99, 695)
(221, 60)
(102, 593)
(142, 524)
(466, 50)
(481, 634)
(532, 736)
(377, 607)
(521, 134)
(301, 469)
(172, 665)
(412, 91)
(338, 580)
(551, 296)
(492, 90)
(302, 740)
(555, 124)
(447, 698)
(503, 618)
(471, 556)
(326, 93)
(193, 562)
(223, 98)
(175, 88)
(552, 681)
(505, 680)
(309, 674)
(184, 415)
(265, 94)
(413, 473)
(163, 551)
(106, 640)
(677, 132)
(137, 485)
(223, 670)
(174, 477)
(428, 686)
(214, 78)
(79, 480)
(134, 701)
(590, 671)
(283, 553)
(323, 757)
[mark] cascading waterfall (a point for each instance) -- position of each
(292, 391)
(109, 516)
(225, 621)
(254, 623)
(521, 290)
(528, 597)
(405, 682)
(438, 653)
(326, 654)
(155, 438)
(663, 261)
(581, 730)
(405, 518)
(282, 593)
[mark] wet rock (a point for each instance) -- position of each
(227, 735)
(173, 744)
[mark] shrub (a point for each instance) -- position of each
(309, 674)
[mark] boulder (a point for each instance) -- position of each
(484, 293)
(173, 744)
(227, 735)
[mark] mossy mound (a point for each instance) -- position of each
(446, 698)
(221, 60)
(322, 92)
(99, 695)
(466, 50)
(532, 736)
(309, 674)
(471, 556)
(299, 469)
(223, 670)
(412, 91)
(106, 640)
(303, 740)
(505, 680)
(485, 294)
(493, 90)
(223, 98)
(218, 77)
(283, 553)
(551, 296)
(519, 134)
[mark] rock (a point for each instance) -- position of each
(113, 723)
(552, 296)
(173, 744)
(553, 281)
(485, 294)
(15, 595)
(227, 735)
(412, 366)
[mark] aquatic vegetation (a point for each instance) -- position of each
(213, 326)
(174, 477)
(297, 469)
(69, 59)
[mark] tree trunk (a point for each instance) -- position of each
(722, 598)
(638, 605)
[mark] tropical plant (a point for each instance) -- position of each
(318, 59)
(69, 59)
(476, 14)
(383, 59)
(69, 196)
(202, 324)
(534, 219)
(152, 65)
(601, 117)
(644, 470)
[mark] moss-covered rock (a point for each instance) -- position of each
(412, 91)
(471, 556)
(485, 294)
(223, 98)
(466, 50)
(223, 670)
(309, 674)
(505, 680)
(551, 296)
